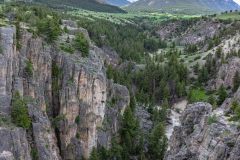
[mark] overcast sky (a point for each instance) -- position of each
(238, 1)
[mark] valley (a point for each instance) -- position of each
(87, 80)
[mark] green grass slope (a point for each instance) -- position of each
(185, 6)
(92, 5)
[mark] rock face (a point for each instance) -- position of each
(200, 138)
(189, 32)
(114, 111)
(227, 72)
(144, 118)
(68, 96)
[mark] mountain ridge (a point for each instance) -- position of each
(195, 6)
(93, 5)
(118, 2)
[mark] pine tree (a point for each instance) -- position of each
(129, 131)
(219, 52)
(158, 142)
(212, 101)
(236, 81)
(94, 155)
(222, 95)
(166, 92)
(19, 112)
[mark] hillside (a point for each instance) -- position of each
(102, 86)
(185, 6)
(93, 5)
(118, 2)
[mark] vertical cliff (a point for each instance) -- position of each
(66, 96)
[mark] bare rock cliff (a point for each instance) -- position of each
(67, 96)
(202, 137)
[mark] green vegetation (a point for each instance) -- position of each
(128, 39)
(156, 72)
(158, 142)
(34, 153)
(229, 16)
(81, 44)
(67, 48)
(197, 95)
(18, 35)
(236, 81)
(29, 68)
(212, 100)
(56, 121)
(236, 109)
(4, 120)
(157, 82)
(49, 27)
(1, 50)
(41, 20)
(129, 133)
(212, 119)
(192, 48)
(222, 95)
(77, 120)
(84, 4)
(56, 73)
(19, 112)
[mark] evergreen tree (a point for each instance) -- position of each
(81, 44)
(129, 131)
(203, 76)
(236, 81)
(158, 142)
(212, 101)
(94, 155)
(222, 95)
(219, 52)
(19, 112)
(166, 92)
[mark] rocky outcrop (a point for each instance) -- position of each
(227, 72)
(189, 32)
(118, 100)
(204, 136)
(144, 119)
(67, 98)
(13, 144)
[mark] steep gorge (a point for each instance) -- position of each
(66, 96)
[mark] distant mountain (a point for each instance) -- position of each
(118, 2)
(93, 5)
(189, 6)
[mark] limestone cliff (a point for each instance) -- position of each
(204, 134)
(67, 98)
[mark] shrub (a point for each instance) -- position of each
(18, 35)
(19, 112)
(222, 95)
(197, 58)
(29, 68)
(34, 153)
(57, 120)
(67, 48)
(77, 120)
(1, 49)
(197, 95)
(81, 44)
(212, 119)
(50, 28)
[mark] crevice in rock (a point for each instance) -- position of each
(31, 141)
(55, 106)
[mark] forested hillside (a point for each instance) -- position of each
(87, 85)
(185, 6)
(92, 5)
